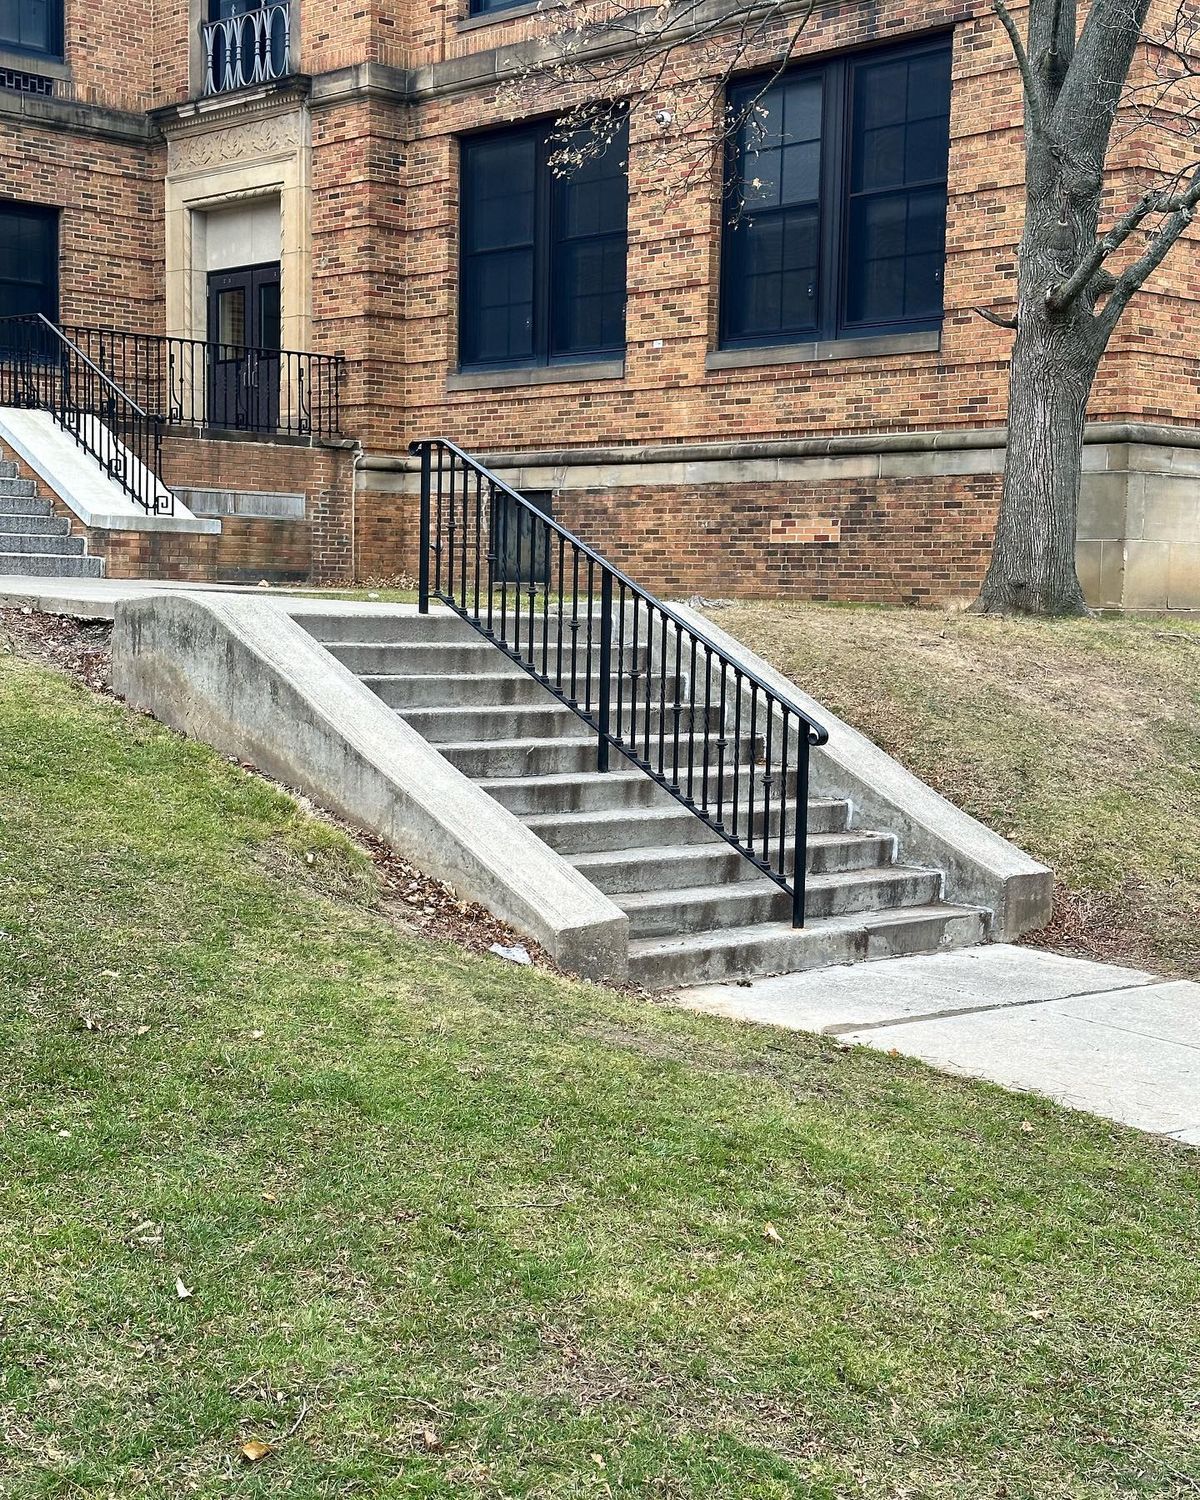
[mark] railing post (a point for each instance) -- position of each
(603, 710)
(800, 867)
(423, 562)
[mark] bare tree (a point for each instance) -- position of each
(1074, 279)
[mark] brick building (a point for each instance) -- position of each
(799, 400)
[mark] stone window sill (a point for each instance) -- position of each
(35, 65)
(491, 380)
(509, 13)
(926, 342)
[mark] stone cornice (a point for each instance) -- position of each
(233, 109)
(129, 127)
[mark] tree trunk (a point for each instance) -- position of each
(1033, 560)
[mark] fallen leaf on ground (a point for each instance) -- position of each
(772, 1234)
(255, 1450)
(181, 1291)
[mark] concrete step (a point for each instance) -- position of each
(8, 469)
(15, 488)
(846, 885)
(438, 626)
(471, 656)
(573, 752)
(670, 823)
(765, 948)
(24, 502)
(49, 565)
(482, 689)
(756, 899)
(623, 786)
(507, 722)
(34, 525)
(61, 544)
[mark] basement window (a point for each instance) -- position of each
(836, 199)
(32, 26)
(542, 255)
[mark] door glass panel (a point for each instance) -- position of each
(268, 316)
(231, 316)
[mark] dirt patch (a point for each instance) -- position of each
(82, 648)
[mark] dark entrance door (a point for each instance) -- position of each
(243, 332)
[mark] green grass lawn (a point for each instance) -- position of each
(452, 1228)
(1079, 739)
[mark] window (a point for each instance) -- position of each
(32, 26)
(836, 193)
(28, 261)
(543, 256)
(489, 7)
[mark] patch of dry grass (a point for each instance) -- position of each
(1078, 739)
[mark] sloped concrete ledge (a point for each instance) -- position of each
(980, 867)
(242, 675)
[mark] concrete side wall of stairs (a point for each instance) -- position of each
(607, 870)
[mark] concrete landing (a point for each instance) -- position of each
(1117, 1042)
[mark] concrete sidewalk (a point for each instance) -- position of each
(1117, 1042)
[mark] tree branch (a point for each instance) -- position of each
(994, 317)
(1134, 277)
(1154, 201)
(1033, 92)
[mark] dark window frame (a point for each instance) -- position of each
(52, 217)
(492, 7)
(546, 296)
(57, 51)
(837, 76)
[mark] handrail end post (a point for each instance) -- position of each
(426, 450)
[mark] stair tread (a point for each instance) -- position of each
(598, 858)
(598, 817)
(737, 890)
(724, 937)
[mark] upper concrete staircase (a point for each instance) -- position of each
(698, 909)
(33, 540)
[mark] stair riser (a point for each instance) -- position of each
(437, 626)
(8, 469)
(471, 657)
(33, 565)
(32, 525)
(717, 864)
(787, 952)
(591, 793)
(739, 910)
(676, 825)
(487, 762)
(17, 489)
(59, 546)
(439, 725)
(465, 690)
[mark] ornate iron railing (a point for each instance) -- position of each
(253, 48)
(724, 743)
(193, 383)
(41, 368)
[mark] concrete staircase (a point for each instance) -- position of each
(33, 540)
(698, 910)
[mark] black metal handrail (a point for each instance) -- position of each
(724, 743)
(41, 368)
(235, 387)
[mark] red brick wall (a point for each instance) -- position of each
(912, 540)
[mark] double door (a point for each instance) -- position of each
(244, 341)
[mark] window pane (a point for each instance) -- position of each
(772, 244)
(28, 261)
(588, 254)
(32, 25)
(896, 257)
(896, 223)
(771, 279)
(496, 308)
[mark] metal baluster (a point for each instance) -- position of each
(751, 765)
(558, 673)
(648, 679)
(768, 776)
(606, 603)
(691, 704)
(721, 742)
(437, 544)
(676, 705)
(545, 596)
(587, 657)
(707, 723)
(737, 749)
(620, 659)
(662, 696)
(478, 534)
(783, 789)
(634, 668)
